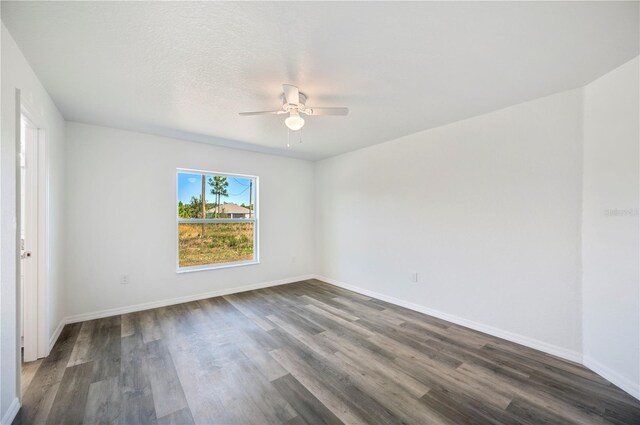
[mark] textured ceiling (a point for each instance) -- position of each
(185, 69)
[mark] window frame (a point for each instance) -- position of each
(255, 220)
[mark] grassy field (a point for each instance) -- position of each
(221, 243)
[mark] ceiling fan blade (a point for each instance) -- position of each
(244, 114)
(291, 94)
(327, 111)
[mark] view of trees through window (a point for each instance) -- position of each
(216, 219)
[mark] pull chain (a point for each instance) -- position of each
(289, 137)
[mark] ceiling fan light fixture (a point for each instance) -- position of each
(294, 121)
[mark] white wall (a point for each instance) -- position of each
(485, 210)
(121, 214)
(611, 281)
(16, 73)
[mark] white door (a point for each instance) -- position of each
(29, 238)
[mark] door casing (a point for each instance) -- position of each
(36, 318)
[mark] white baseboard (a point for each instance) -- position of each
(56, 334)
(546, 347)
(11, 413)
(172, 301)
(617, 379)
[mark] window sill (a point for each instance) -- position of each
(216, 266)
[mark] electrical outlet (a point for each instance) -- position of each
(124, 279)
(414, 277)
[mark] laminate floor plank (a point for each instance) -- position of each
(411, 349)
(36, 408)
(320, 286)
(361, 310)
(82, 350)
(239, 303)
(300, 319)
(181, 417)
(338, 338)
(305, 353)
(333, 321)
(223, 314)
(39, 397)
(107, 350)
(532, 414)
(510, 389)
(269, 367)
(444, 378)
(69, 404)
(137, 405)
(168, 395)
(137, 408)
(299, 330)
(446, 335)
(29, 370)
(321, 388)
(304, 361)
(546, 372)
(474, 356)
(328, 308)
(371, 363)
(130, 324)
(462, 409)
(310, 409)
(174, 322)
(316, 343)
(251, 384)
(103, 402)
(584, 401)
(150, 325)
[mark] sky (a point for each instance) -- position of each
(190, 184)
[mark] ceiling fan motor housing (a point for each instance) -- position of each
(289, 106)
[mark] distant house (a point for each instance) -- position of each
(229, 211)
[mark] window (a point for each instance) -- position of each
(217, 220)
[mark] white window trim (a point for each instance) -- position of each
(255, 220)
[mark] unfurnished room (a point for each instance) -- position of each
(320, 212)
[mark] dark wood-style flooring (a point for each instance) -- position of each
(306, 353)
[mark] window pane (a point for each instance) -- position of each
(229, 197)
(225, 196)
(190, 195)
(220, 243)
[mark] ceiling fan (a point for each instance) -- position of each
(294, 104)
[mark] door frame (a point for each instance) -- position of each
(40, 215)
